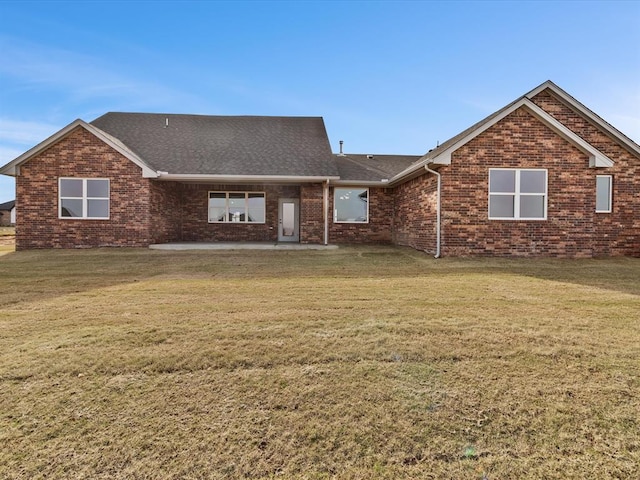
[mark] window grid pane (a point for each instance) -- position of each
(351, 205)
(532, 206)
(603, 193)
(83, 198)
(527, 200)
(236, 207)
(97, 208)
(71, 208)
(501, 206)
(71, 188)
(532, 181)
(97, 189)
(502, 181)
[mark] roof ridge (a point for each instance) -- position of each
(206, 115)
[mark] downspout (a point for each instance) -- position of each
(325, 201)
(426, 167)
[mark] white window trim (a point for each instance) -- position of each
(246, 206)
(610, 177)
(517, 194)
(84, 198)
(335, 210)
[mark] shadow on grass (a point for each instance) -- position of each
(38, 274)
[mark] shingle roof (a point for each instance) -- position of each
(7, 205)
(224, 145)
(372, 167)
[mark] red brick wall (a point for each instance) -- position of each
(195, 216)
(522, 141)
(166, 211)
(415, 213)
(145, 211)
(618, 232)
(5, 218)
(81, 154)
(377, 230)
(311, 213)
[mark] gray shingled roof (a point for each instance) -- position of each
(372, 167)
(7, 206)
(224, 145)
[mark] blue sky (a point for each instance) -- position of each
(388, 77)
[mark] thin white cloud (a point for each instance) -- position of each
(18, 132)
(627, 124)
(82, 77)
(7, 189)
(9, 153)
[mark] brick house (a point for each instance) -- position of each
(543, 176)
(8, 213)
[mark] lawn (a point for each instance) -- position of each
(356, 363)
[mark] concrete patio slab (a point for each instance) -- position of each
(239, 246)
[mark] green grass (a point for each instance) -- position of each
(356, 363)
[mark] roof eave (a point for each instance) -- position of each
(246, 179)
(597, 159)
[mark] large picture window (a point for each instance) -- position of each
(517, 194)
(351, 205)
(236, 207)
(603, 193)
(84, 198)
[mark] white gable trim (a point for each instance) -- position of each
(13, 167)
(608, 128)
(596, 157)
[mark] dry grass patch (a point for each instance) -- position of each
(356, 363)
(7, 239)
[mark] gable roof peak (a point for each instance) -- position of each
(580, 108)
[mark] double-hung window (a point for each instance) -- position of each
(603, 193)
(236, 207)
(83, 198)
(351, 205)
(517, 194)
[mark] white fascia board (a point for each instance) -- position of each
(12, 168)
(596, 157)
(610, 129)
(202, 178)
(363, 183)
(407, 172)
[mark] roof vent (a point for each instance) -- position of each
(166, 122)
(341, 154)
(369, 156)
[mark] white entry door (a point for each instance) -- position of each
(289, 220)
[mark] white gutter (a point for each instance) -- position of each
(362, 183)
(325, 201)
(240, 178)
(426, 167)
